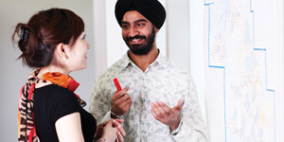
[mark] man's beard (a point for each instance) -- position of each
(141, 49)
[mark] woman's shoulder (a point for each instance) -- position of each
(56, 98)
(53, 91)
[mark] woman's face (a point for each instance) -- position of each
(78, 53)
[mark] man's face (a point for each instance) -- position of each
(138, 33)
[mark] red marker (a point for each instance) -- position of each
(116, 83)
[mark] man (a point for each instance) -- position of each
(158, 101)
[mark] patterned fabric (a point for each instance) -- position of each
(162, 81)
(26, 125)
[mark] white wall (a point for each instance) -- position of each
(280, 71)
(196, 38)
(13, 75)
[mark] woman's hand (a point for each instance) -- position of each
(121, 133)
(111, 130)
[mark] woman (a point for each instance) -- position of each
(53, 42)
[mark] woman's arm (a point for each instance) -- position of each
(69, 129)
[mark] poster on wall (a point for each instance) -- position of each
(241, 51)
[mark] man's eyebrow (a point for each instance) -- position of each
(140, 20)
(124, 22)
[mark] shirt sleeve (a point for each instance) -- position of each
(193, 127)
(99, 104)
(63, 102)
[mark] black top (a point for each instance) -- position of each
(52, 102)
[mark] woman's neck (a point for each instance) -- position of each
(46, 70)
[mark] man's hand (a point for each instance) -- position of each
(121, 102)
(166, 115)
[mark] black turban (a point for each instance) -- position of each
(153, 10)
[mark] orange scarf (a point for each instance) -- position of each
(26, 125)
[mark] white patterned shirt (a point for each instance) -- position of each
(162, 81)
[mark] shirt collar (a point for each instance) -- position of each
(126, 61)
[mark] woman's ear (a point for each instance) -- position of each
(61, 51)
